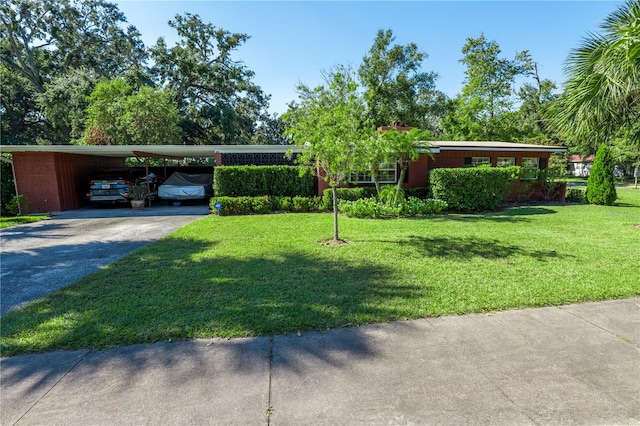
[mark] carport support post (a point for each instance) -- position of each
(146, 167)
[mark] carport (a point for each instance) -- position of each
(55, 177)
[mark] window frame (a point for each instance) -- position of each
(475, 163)
(529, 172)
(367, 177)
(511, 163)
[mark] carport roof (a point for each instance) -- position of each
(204, 151)
(166, 151)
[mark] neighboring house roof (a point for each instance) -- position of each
(580, 159)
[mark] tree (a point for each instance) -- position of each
(151, 117)
(106, 107)
(601, 188)
(601, 98)
(119, 115)
(270, 130)
(330, 124)
(478, 112)
(626, 154)
(65, 101)
(534, 112)
(217, 99)
(45, 40)
(20, 123)
(395, 87)
(401, 146)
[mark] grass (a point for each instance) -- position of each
(261, 275)
(6, 222)
(624, 183)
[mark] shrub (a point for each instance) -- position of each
(472, 189)
(423, 192)
(305, 204)
(263, 205)
(417, 207)
(575, 195)
(371, 208)
(255, 181)
(553, 177)
(347, 194)
(7, 188)
(281, 203)
(601, 187)
(19, 204)
(391, 194)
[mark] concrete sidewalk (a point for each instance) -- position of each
(557, 365)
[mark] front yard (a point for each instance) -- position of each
(258, 275)
(6, 222)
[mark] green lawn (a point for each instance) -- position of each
(6, 222)
(260, 275)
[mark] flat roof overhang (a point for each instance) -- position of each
(210, 151)
(158, 151)
(494, 146)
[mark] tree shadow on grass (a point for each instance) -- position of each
(468, 248)
(180, 289)
(512, 215)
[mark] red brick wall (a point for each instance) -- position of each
(322, 184)
(56, 181)
(454, 159)
(418, 172)
(36, 179)
(533, 191)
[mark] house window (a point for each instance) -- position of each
(476, 161)
(530, 167)
(387, 173)
(506, 161)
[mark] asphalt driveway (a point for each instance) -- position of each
(40, 258)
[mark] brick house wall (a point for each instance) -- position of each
(418, 172)
(453, 159)
(54, 181)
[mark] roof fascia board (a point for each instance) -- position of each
(256, 149)
(500, 148)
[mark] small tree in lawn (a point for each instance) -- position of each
(328, 123)
(401, 147)
(601, 188)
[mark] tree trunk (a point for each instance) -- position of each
(635, 176)
(335, 214)
(374, 174)
(403, 171)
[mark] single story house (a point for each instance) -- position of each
(578, 165)
(56, 177)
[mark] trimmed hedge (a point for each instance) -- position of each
(264, 205)
(255, 181)
(472, 189)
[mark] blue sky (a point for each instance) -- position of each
(293, 41)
